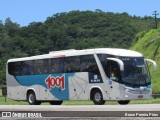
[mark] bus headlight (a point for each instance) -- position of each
(126, 90)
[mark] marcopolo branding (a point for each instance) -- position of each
(57, 81)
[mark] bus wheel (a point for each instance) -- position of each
(123, 102)
(31, 98)
(97, 97)
(56, 102)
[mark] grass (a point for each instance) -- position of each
(148, 43)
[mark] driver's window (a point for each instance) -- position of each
(113, 71)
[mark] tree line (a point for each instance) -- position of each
(69, 30)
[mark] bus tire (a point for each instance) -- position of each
(97, 97)
(56, 102)
(31, 98)
(123, 102)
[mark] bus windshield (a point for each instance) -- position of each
(135, 72)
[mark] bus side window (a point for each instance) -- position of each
(56, 65)
(39, 66)
(113, 71)
(30, 67)
(14, 68)
(25, 68)
(75, 64)
(66, 67)
(61, 65)
(103, 59)
(45, 66)
(88, 64)
(11, 68)
(82, 66)
(53, 65)
(72, 64)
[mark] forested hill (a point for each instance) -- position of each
(73, 30)
(148, 43)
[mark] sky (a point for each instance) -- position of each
(24, 12)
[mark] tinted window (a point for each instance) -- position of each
(38, 66)
(56, 65)
(10, 68)
(27, 68)
(72, 64)
(41, 66)
(105, 63)
(14, 68)
(84, 63)
(45, 66)
(88, 64)
(103, 59)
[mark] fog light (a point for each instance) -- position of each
(150, 89)
(126, 96)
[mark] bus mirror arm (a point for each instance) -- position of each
(120, 62)
(153, 62)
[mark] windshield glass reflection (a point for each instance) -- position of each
(135, 72)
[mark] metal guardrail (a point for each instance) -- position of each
(156, 95)
(4, 92)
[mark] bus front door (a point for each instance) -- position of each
(113, 73)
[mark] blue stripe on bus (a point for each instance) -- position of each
(58, 92)
(148, 86)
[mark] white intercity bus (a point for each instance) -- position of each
(93, 74)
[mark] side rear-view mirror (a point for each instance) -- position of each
(120, 62)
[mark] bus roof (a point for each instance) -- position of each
(73, 52)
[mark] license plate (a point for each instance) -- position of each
(140, 96)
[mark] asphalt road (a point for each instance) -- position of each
(148, 111)
(129, 107)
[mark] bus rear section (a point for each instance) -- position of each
(55, 79)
